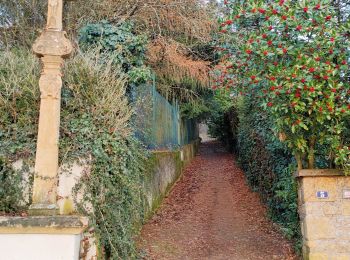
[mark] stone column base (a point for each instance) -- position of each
(324, 208)
(41, 237)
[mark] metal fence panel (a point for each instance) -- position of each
(158, 123)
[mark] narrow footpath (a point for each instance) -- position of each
(212, 214)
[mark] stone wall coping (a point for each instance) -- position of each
(43, 225)
(319, 173)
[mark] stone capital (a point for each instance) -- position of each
(53, 43)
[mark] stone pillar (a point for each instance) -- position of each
(324, 208)
(43, 235)
(52, 46)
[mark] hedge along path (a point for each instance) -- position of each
(212, 214)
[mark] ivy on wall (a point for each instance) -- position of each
(94, 126)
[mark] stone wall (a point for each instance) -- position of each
(324, 207)
(167, 167)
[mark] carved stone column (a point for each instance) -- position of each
(52, 47)
(46, 236)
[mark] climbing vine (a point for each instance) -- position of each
(94, 130)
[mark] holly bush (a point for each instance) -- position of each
(293, 57)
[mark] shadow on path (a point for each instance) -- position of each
(212, 214)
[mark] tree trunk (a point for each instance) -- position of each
(299, 161)
(311, 156)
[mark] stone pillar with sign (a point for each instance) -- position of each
(45, 234)
(324, 208)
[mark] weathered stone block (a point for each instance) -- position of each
(312, 208)
(340, 257)
(318, 256)
(318, 228)
(330, 208)
(312, 185)
(346, 208)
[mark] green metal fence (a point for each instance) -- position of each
(158, 123)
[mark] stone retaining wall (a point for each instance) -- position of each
(166, 170)
(166, 167)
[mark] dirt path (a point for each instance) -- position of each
(212, 214)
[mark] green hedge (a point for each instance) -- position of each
(268, 166)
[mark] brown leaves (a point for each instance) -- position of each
(171, 59)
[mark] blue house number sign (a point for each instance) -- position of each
(322, 194)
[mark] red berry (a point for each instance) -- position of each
(269, 104)
(306, 9)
